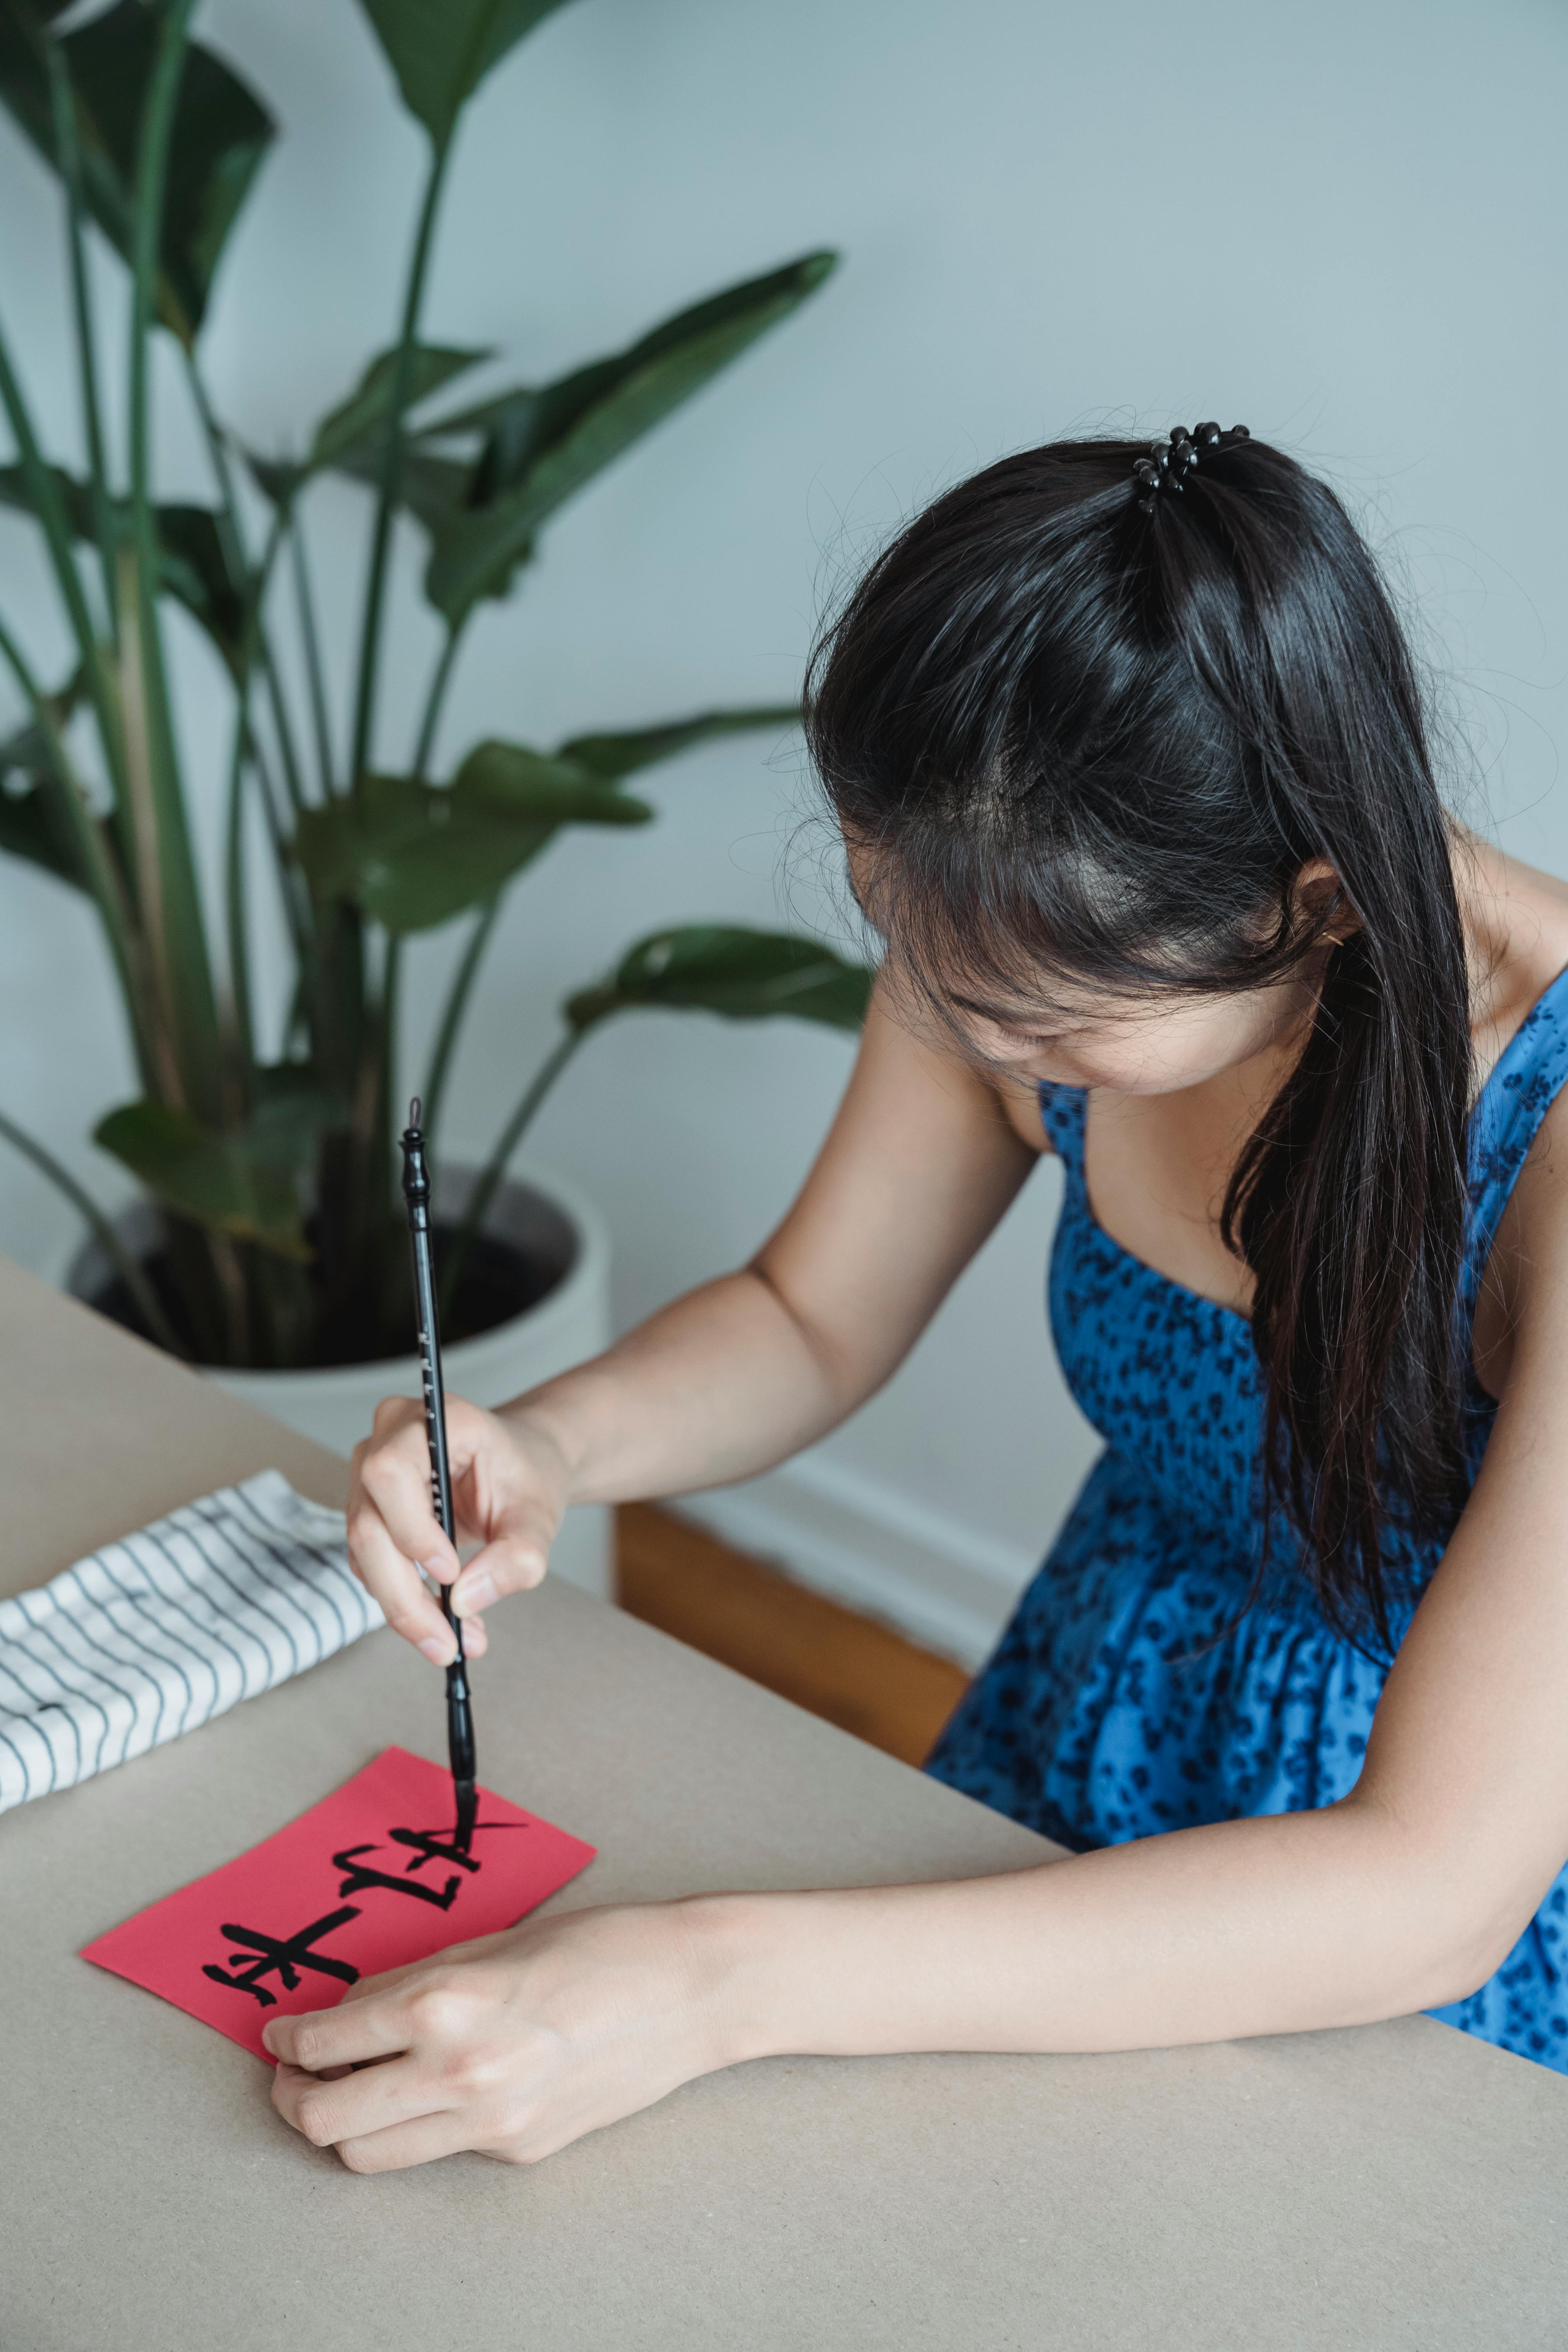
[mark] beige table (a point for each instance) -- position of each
(1398, 2186)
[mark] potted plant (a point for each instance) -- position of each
(270, 1242)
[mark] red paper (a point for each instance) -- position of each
(367, 1879)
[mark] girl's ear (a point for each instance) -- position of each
(1317, 902)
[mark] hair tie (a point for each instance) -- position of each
(1169, 461)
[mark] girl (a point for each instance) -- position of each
(1129, 758)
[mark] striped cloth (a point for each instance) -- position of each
(151, 1636)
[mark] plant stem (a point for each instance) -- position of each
(102, 876)
(293, 776)
(232, 1295)
(325, 943)
(296, 906)
(433, 701)
(131, 1275)
(371, 1151)
(104, 881)
(48, 506)
(230, 529)
(299, 907)
(510, 1136)
(63, 100)
(390, 986)
(237, 914)
(180, 940)
(452, 1018)
(311, 635)
(252, 590)
(386, 1072)
(296, 1021)
(392, 469)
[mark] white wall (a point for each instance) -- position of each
(1342, 226)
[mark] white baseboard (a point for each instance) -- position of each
(861, 1542)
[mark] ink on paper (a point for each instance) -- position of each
(372, 1877)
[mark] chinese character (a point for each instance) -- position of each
(286, 1957)
(429, 1845)
(360, 1879)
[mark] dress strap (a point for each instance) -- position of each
(1530, 1074)
(1062, 1116)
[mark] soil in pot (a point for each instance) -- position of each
(501, 1278)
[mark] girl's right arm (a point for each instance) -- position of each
(919, 1167)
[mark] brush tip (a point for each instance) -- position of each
(414, 1109)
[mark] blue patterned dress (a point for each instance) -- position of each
(1134, 1691)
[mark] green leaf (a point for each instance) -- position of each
(434, 489)
(361, 421)
(441, 50)
(221, 133)
(243, 1183)
(193, 570)
(413, 854)
(35, 822)
(293, 1108)
(514, 778)
(541, 445)
(352, 436)
(622, 754)
(192, 567)
(745, 975)
(23, 70)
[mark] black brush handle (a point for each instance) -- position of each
(459, 1708)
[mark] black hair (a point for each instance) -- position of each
(1096, 730)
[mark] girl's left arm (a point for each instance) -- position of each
(1406, 1895)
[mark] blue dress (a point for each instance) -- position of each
(1134, 1691)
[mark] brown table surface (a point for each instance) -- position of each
(1398, 2185)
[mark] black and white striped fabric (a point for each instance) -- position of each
(152, 1636)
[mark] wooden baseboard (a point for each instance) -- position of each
(856, 1672)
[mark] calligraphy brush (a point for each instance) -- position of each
(459, 1711)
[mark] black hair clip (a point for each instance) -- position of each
(1169, 462)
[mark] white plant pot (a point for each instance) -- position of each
(544, 1216)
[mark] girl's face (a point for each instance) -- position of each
(1157, 1042)
(1156, 1045)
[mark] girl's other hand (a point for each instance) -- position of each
(512, 2045)
(510, 1490)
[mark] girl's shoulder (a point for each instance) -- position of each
(1517, 923)
(1518, 1188)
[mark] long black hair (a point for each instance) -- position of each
(1097, 728)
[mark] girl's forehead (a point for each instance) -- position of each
(1039, 998)
(971, 962)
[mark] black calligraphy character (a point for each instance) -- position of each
(439, 1845)
(286, 1956)
(360, 1879)
(430, 1845)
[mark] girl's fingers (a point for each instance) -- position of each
(379, 2026)
(408, 1604)
(514, 1560)
(370, 2078)
(392, 1469)
(393, 1523)
(369, 2100)
(401, 2145)
(381, 2016)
